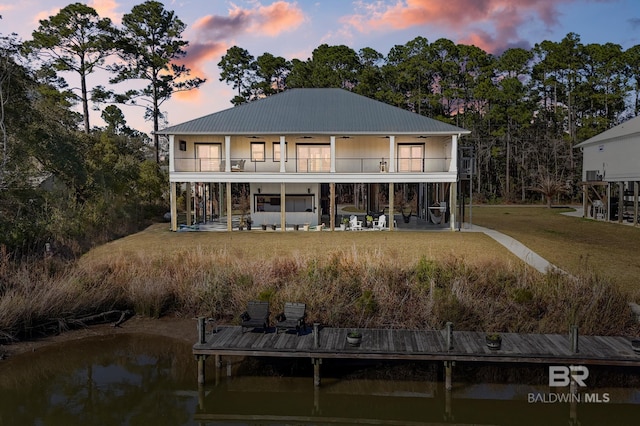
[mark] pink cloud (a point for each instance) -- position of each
(199, 54)
(107, 9)
(270, 20)
(466, 17)
(214, 32)
(45, 14)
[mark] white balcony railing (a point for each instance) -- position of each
(293, 165)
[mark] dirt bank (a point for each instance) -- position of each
(175, 327)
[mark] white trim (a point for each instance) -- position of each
(227, 154)
(172, 155)
(283, 154)
(453, 166)
(332, 154)
(311, 178)
(392, 154)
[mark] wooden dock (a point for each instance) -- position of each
(417, 345)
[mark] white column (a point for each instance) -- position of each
(172, 160)
(283, 205)
(333, 154)
(283, 154)
(174, 209)
(453, 205)
(227, 154)
(392, 154)
(453, 166)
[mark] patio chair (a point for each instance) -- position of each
(256, 316)
(381, 223)
(237, 166)
(354, 223)
(293, 317)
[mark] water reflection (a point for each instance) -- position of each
(144, 380)
(100, 381)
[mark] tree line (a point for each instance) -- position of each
(65, 185)
(526, 109)
(68, 184)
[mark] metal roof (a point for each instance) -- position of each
(314, 111)
(628, 128)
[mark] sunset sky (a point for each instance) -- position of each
(293, 29)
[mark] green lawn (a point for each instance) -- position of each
(571, 243)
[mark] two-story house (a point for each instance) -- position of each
(290, 150)
(611, 173)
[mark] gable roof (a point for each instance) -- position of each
(318, 111)
(628, 128)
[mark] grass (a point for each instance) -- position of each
(571, 243)
(347, 279)
(403, 247)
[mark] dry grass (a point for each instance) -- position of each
(573, 244)
(404, 247)
(374, 279)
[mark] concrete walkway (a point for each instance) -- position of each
(516, 247)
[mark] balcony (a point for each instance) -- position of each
(316, 165)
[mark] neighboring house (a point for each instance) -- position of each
(611, 173)
(292, 149)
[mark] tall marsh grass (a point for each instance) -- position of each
(344, 288)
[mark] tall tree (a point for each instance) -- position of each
(238, 67)
(632, 71)
(370, 81)
(334, 66)
(272, 73)
(77, 40)
(408, 66)
(150, 46)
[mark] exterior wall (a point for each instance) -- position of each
(357, 154)
(617, 160)
(357, 159)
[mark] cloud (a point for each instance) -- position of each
(260, 20)
(214, 33)
(199, 54)
(489, 24)
(107, 9)
(45, 14)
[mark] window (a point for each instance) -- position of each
(208, 157)
(410, 158)
(276, 152)
(314, 158)
(293, 203)
(257, 151)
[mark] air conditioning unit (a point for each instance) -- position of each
(593, 176)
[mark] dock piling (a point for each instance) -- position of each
(316, 371)
(201, 373)
(448, 370)
(449, 335)
(202, 339)
(316, 335)
(574, 339)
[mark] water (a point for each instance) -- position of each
(145, 380)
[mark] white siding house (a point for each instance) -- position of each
(291, 150)
(611, 173)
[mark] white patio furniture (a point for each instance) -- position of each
(354, 223)
(381, 223)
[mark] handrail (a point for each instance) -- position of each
(316, 165)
